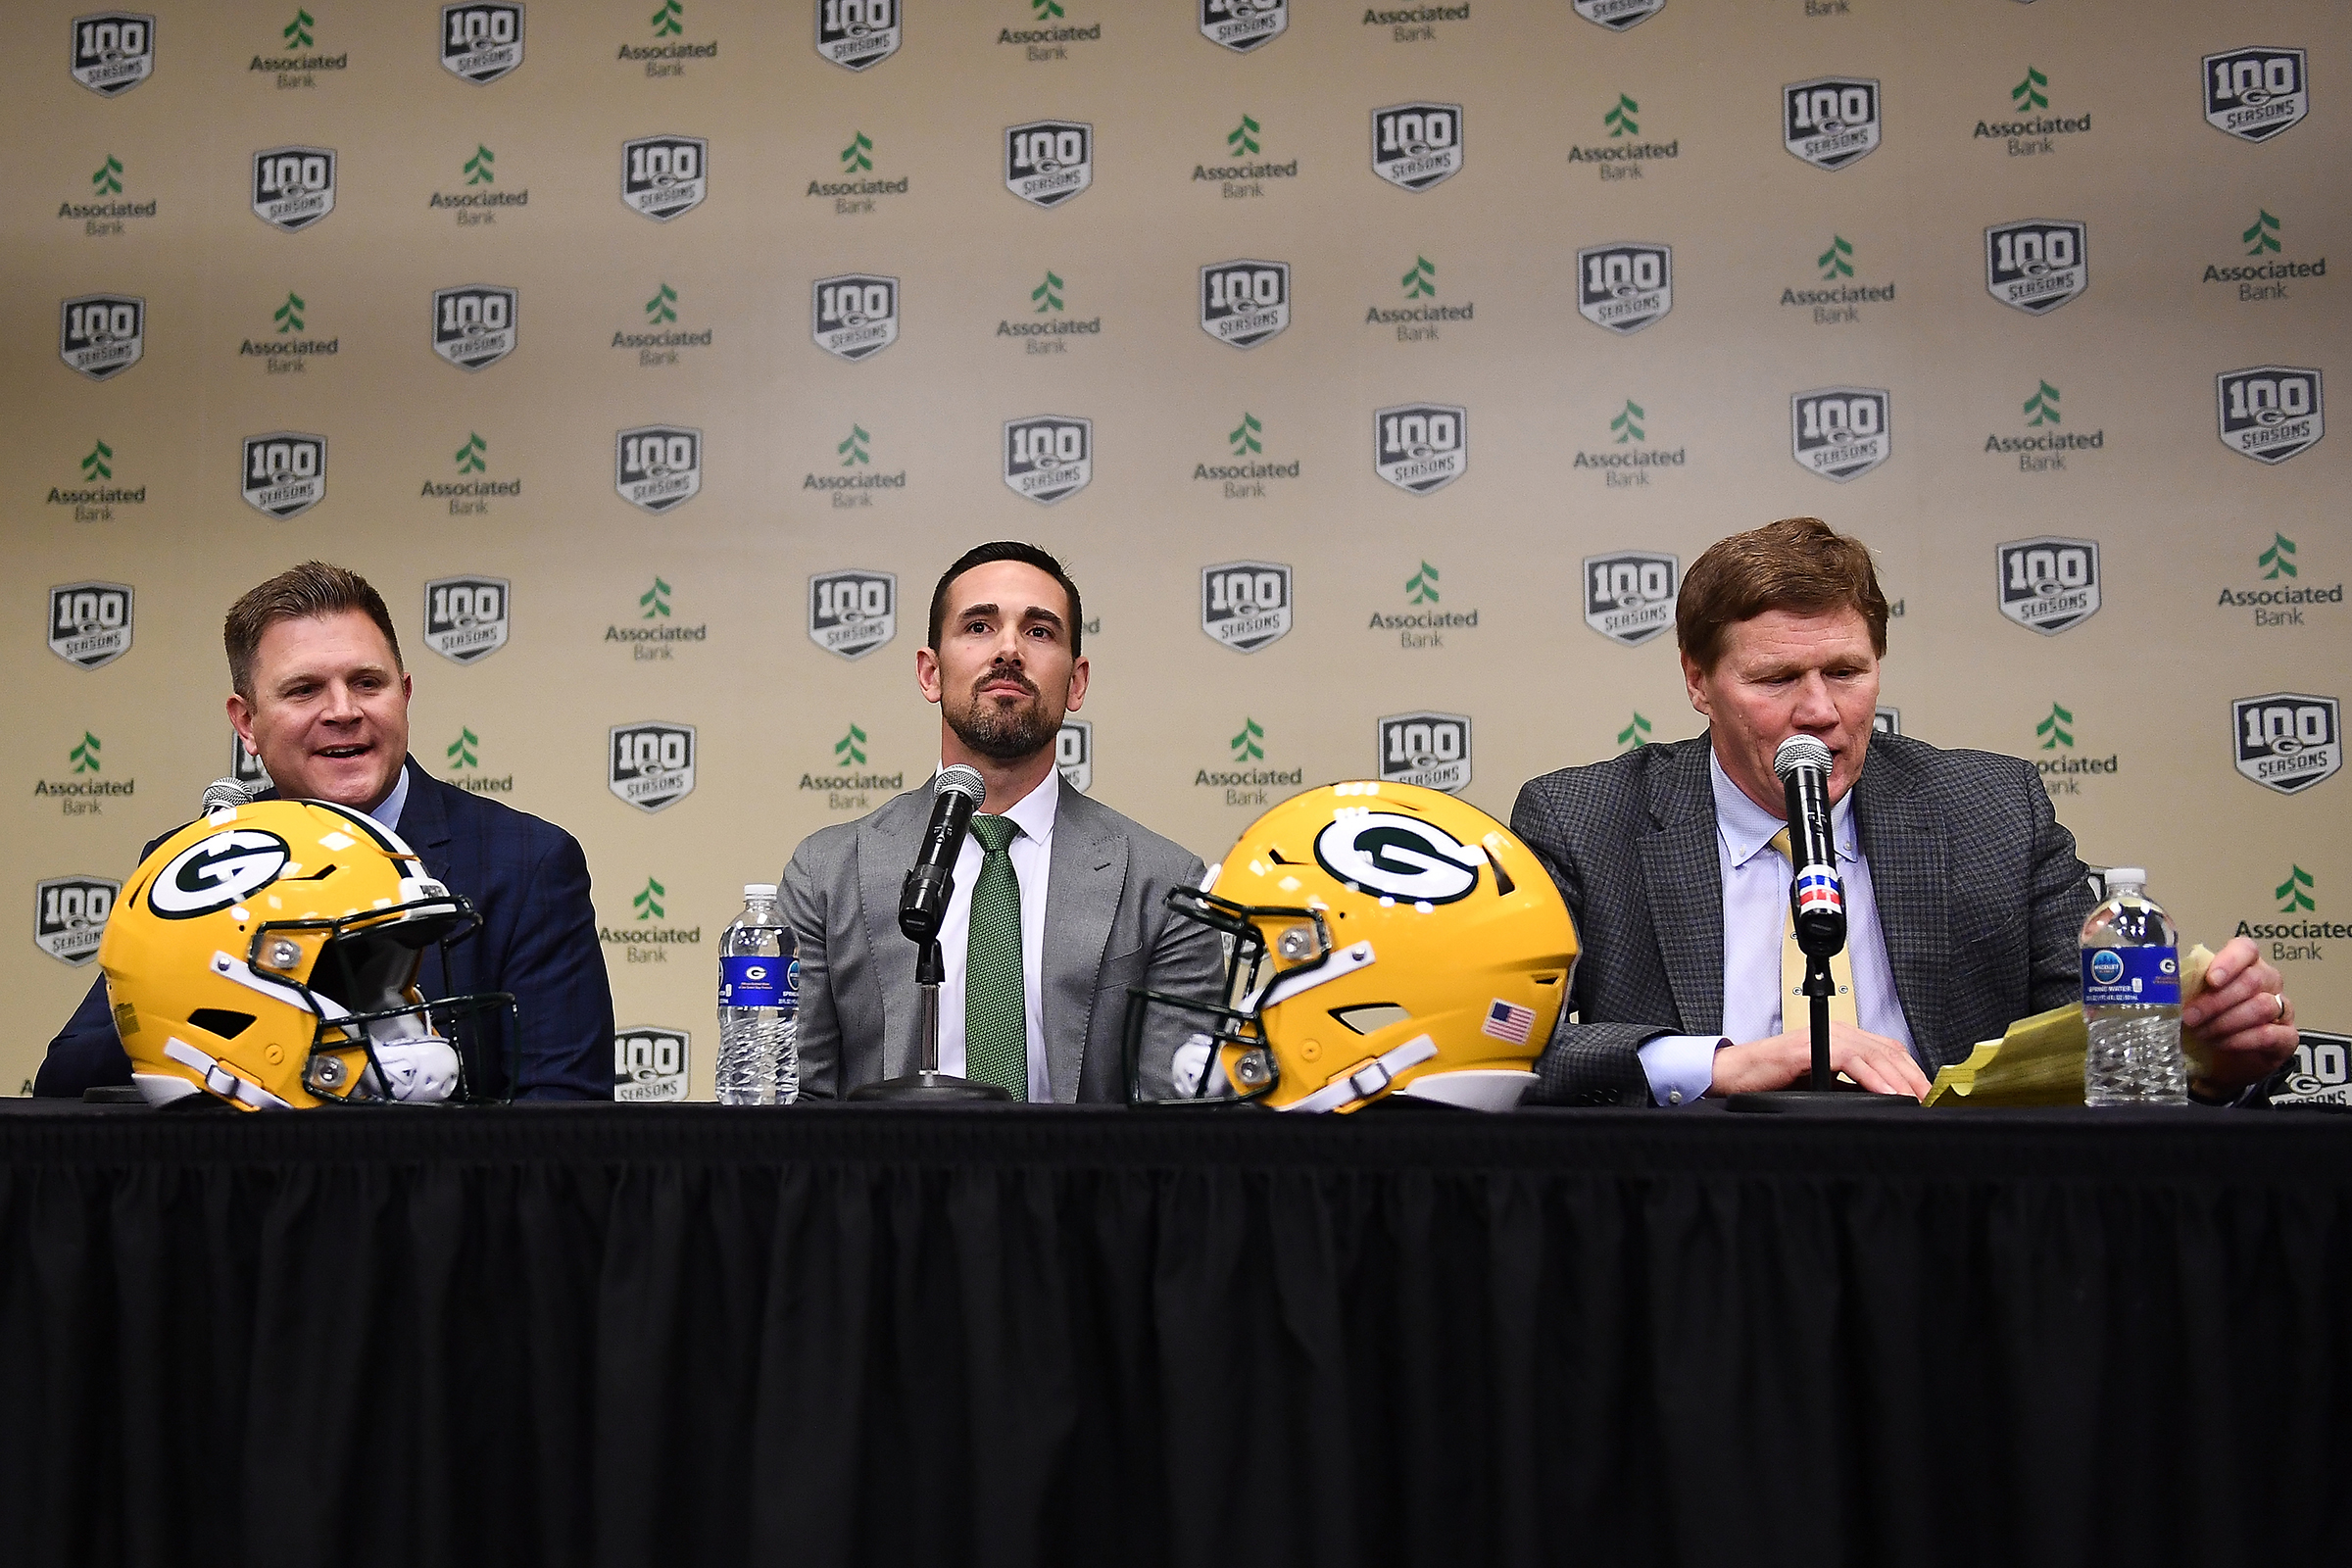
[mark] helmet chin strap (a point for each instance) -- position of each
(217, 1078)
(1370, 1078)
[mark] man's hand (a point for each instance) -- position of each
(2241, 1027)
(1879, 1064)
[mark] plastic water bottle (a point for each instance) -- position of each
(759, 994)
(2132, 999)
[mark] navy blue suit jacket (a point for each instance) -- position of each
(537, 939)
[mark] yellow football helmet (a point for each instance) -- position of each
(1381, 939)
(266, 955)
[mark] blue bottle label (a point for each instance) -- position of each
(2130, 977)
(756, 982)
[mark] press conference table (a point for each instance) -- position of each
(688, 1334)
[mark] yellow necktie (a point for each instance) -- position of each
(1796, 1009)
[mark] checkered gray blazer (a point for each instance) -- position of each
(1980, 896)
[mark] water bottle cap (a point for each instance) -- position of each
(767, 890)
(2136, 876)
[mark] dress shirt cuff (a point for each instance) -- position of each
(1679, 1067)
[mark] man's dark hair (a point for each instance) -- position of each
(1004, 549)
(310, 590)
(1800, 564)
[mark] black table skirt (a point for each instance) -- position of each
(690, 1335)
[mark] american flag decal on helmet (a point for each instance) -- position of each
(1507, 1021)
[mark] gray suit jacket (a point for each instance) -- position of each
(1108, 927)
(1980, 896)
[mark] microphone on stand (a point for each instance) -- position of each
(955, 794)
(1816, 893)
(228, 791)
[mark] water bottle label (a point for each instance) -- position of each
(2130, 977)
(756, 982)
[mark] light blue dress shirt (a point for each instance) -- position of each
(1755, 913)
(386, 812)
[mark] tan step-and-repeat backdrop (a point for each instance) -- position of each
(1375, 371)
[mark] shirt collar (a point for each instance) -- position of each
(1034, 813)
(1746, 828)
(386, 812)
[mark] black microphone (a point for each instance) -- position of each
(955, 794)
(1816, 894)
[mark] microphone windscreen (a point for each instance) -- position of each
(1799, 751)
(961, 779)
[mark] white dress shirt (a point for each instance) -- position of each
(1030, 854)
(1755, 914)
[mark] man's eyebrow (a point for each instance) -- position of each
(1041, 612)
(969, 611)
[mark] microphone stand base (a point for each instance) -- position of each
(930, 1089)
(1839, 1101)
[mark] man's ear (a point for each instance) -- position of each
(1079, 671)
(926, 673)
(1694, 683)
(240, 715)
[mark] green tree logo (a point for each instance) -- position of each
(100, 464)
(460, 751)
(288, 315)
(1420, 279)
(1242, 138)
(477, 168)
(108, 180)
(2263, 236)
(1246, 747)
(648, 902)
(1421, 588)
(2279, 559)
(1046, 8)
(852, 157)
(1620, 118)
(849, 749)
(84, 757)
(662, 307)
(1244, 436)
(1838, 261)
(297, 32)
(2056, 731)
(1627, 425)
(2029, 94)
(667, 20)
(1046, 296)
(655, 601)
(469, 456)
(2043, 407)
(2294, 893)
(852, 447)
(1636, 733)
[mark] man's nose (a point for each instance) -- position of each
(1813, 709)
(342, 704)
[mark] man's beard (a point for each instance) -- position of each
(1001, 734)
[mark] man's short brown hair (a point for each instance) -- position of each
(1800, 564)
(310, 590)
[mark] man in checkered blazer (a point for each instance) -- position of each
(1965, 899)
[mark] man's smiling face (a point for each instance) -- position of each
(328, 712)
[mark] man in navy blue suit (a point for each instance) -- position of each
(322, 698)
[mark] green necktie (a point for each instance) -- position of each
(995, 1025)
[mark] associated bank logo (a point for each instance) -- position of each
(1417, 323)
(90, 622)
(1618, 15)
(1048, 456)
(852, 612)
(2048, 584)
(2041, 449)
(1840, 296)
(1629, 596)
(664, 177)
(1415, 146)
(68, 917)
(1050, 335)
(857, 33)
(1626, 285)
(1431, 750)
(1248, 742)
(2063, 772)
(649, 1062)
(1422, 625)
(2036, 264)
(2270, 411)
(1242, 26)
(293, 187)
(652, 765)
(1245, 478)
(1074, 752)
(655, 636)
(474, 325)
(2287, 603)
(1621, 155)
(481, 42)
(466, 619)
(854, 478)
(102, 335)
(1830, 121)
(1047, 161)
(2255, 93)
(2287, 741)
(1244, 303)
(1626, 463)
(1841, 432)
(2035, 133)
(2295, 894)
(113, 50)
(854, 315)
(2265, 274)
(1421, 446)
(284, 472)
(1246, 605)
(658, 466)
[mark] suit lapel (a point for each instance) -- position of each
(1083, 876)
(887, 844)
(1684, 877)
(424, 822)
(1903, 843)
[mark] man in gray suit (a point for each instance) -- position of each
(1964, 899)
(1059, 902)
